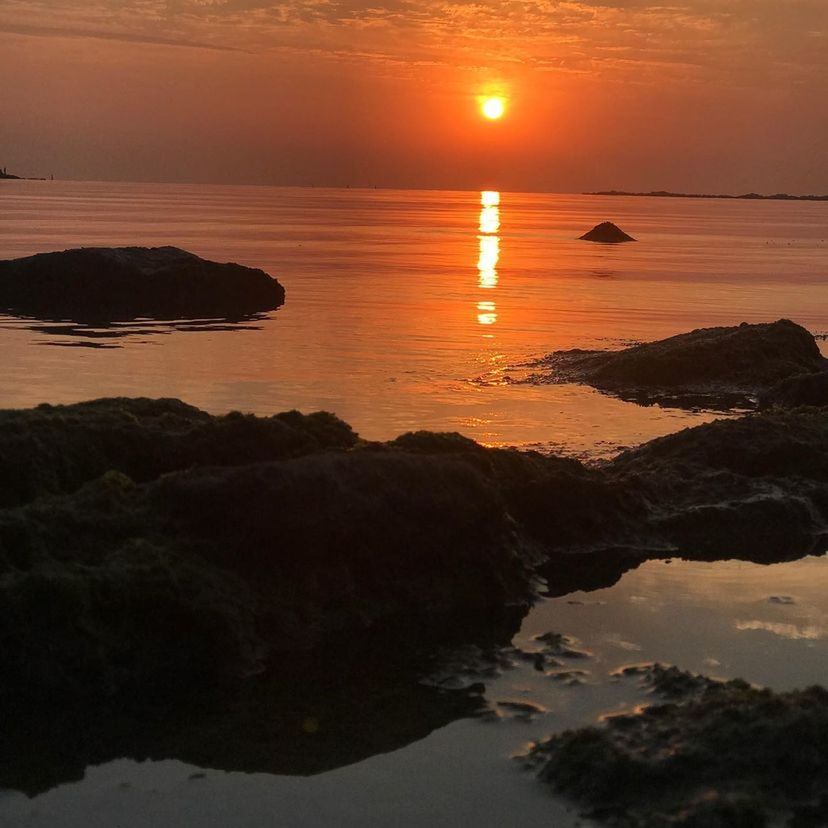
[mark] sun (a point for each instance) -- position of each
(493, 108)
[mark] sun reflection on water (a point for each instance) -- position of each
(486, 313)
(489, 242)
(490, 220)
(487, 261)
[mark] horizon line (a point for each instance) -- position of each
(609, 192)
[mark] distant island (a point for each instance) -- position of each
(749, 196)
(4, 173)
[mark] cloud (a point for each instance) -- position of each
(125, 37)
(741, 42)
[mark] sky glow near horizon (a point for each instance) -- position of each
(694, 95)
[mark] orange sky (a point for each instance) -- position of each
(694, 95)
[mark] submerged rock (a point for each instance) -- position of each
(715, 367)
(721, 754)
(606, 233)
(120, 283)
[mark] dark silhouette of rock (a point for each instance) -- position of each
(712, 490)
(155, 554)
(803, 389)
(718, 754)
(146, 546)
(715, 367)
(121, 283)
(219, 561)
(606, 233)
(55, 449)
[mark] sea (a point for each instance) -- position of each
(424, 309)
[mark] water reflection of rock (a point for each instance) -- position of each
(311, 714)
(116, 334)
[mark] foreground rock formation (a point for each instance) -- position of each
(147, 547)
(718, 755)
(606, 233)
(206, 587)
(716, 367)
(120, 283)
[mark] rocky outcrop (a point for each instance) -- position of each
(55, 449)
(154, 557)
(714, 367)
(718, 754)
(754, 487)
(120, 283)
(803, 389)
(606, 233)
(194, 561)
(147, 547)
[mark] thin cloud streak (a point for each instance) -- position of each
(123, 37)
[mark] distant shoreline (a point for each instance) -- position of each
(745, 197)
(10, 177)
(653, 194)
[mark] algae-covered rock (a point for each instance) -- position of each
(192, 562)
(755, 487)
(132, 531)
(119, 283)
(803, 389)
(713, 367)
(720, 754)
(54, 449)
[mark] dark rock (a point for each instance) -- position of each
(121, 283)
(561, 646)
(721, 755)
(147, 547)
(606, 233)
(391, 535)
(803, 389)
(713, 367)
(753, 487)
(55, 449)
(189, 562)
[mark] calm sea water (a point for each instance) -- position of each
(407, 310)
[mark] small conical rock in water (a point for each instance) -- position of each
(608, 233)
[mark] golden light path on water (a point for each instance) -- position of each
(489, 254)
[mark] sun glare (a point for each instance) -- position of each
(493, 108)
